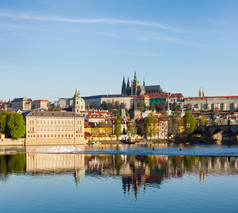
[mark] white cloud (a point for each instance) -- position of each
(94, 21)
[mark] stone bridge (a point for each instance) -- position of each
(219, 134)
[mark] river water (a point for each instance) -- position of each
(119, 178)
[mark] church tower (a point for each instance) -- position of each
(128, 83)
(79, 103)
(134, 85)
(200, 92)
(123, 87)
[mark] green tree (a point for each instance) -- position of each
(189, 122)
(174, 106)
(16, 125)
(131, 128)
(150, 126)
(213, 123)
(104, 105)
(175, 125)
(117, 124)
(141, 105)
(202, 120)
(160, 107)
(3, 122)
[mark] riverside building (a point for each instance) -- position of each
(53, 127)
(221, 103)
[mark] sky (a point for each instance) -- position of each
(50, 48)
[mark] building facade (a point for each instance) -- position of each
(40, 104)
(98, 99)
(54, 128)
(221, 103)
(23, 104)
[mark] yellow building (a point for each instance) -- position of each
(99, 132)
(52, 127)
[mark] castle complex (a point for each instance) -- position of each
(128, 93)
(135, 89)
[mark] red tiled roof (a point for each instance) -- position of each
(28, 102)
(87, 134)
(144, 96)
(159, 95)
(176, 95)
(89, 124)
(95, 116)
(166, 95)
(211, 97)
(40, 101)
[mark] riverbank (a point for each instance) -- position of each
(192, 140)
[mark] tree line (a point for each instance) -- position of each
(12, 125)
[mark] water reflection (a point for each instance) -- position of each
(135, 171)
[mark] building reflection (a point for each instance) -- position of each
(38, 163)
(136, 171)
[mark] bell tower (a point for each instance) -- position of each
(79, 103)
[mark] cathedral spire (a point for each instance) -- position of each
(123, 87)
(128, 83)
(144, 81)
(203, 92)
(200, 92)
(135, 77)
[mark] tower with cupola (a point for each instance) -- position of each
(79, 103)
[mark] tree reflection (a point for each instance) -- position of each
(12, 164)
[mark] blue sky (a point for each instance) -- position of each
(49, 48)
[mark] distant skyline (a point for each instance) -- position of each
(50, 48)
